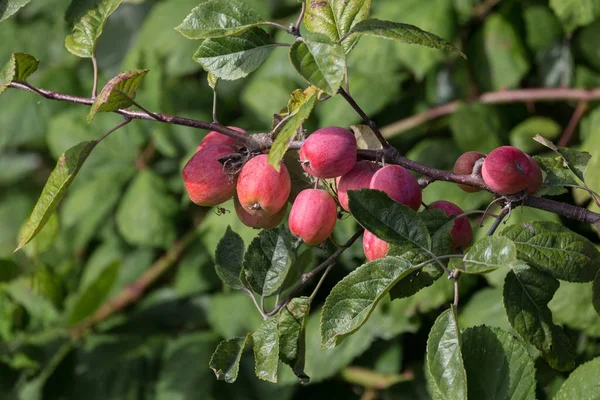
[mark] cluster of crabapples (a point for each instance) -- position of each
(261, 192)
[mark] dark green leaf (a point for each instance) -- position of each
(40, 309)
(235, 57)
(225, 361)
(554, 249)
(335, 18)
(304, 102)
(543, 28)
(292, 335)
(267, 261)
(9, 7)
(94, 294)
(17, 69)
(498, 365)
(229, 259)
(582, 383)
(265, 342)
(320, 61)
(596, 293)
(403, 33)
(575, 13)
(354, 298)
(526, 296)
(183, 372)
(444, 358)
(470, 120)
(585, 42)
(33, 389)
(217, 18)
(66, 169)
(87, 25)
(391, 221)
(488, 254)
(145, 214)
(9, 270)
(117, 93)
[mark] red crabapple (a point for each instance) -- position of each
(507, 170)
(205, 180)
(536, 177)
(261, 189)
(399, 184)
(313, 216)
(358, 178)
(328, 152)
(464, 166)
(265, 221)
(374, 247)
(462, 233)
(218, 138)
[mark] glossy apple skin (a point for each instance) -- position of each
(464, 166)
(374, 247)
(205, 180)
(313, 216)
(507, 170)
(265, 221)
(328, 152)
(536, 177)
(399, 184)
(462, 233)
(358, 178)
(213, 137)
(261, 189)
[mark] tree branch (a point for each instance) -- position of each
(309, 275)
(503, 96)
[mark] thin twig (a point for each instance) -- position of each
(138, 105)
(122, 124)
(573, 122)
(504, 96)
(95, 67)
(135, 290)
(309, 275)
(498, 220)
(364, 117)
(300, 18)
(276, 25)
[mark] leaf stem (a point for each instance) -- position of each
(138, 105)
(122, 124)
(364, 117)
(275, 24)
(300, 18)
(498, 220)
(95, 68)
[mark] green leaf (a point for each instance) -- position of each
(488, 254)
(66, 169)
(217, 18)
(225, 361)
(575, 13)
(391, 221)
(582, 383)
(111, 97)
(470, 120)
(41, 310)
(555, 249)
(229, 259)
(292, 335)
(335, 18)
(444, 358)
(183, 372)
(87, 20)
(403, 33)
(319, 61)
(17, 69)
(94, 295)
(354, 298)
(303, 104)
(572, 305)
(596, 293)
(268, 260)
(145, 216)
(235, 57)
(9, 7)
(543, 28)
(526, 296)
(15, 167)
(499, 54)
(576, 161)
(498, 365)
(585, 43)
(9, 270)
(522, 135)
(265, 342)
